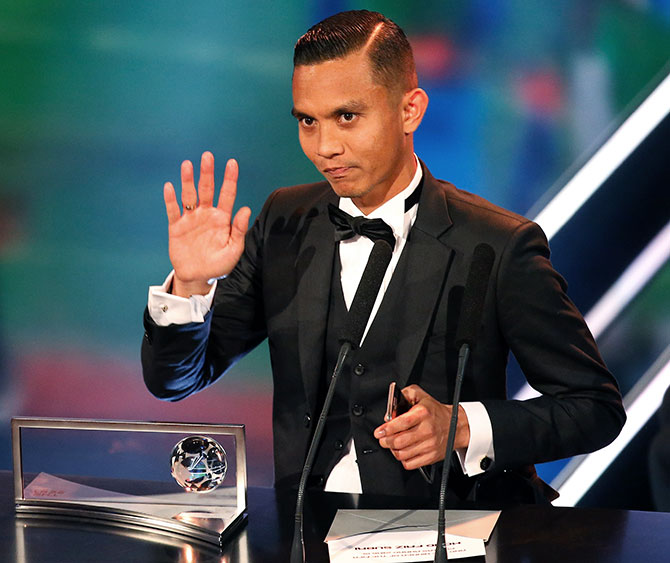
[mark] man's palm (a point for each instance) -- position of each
(204, 242)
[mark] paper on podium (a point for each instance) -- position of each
(406, 535)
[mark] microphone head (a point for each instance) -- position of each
(474, 295)
(366, 293)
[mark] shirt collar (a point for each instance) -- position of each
(393, 211)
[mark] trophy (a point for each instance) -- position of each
(179, 479)
(198, 464)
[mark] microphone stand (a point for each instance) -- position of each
(441, 545)
(298, 545)
(473, 302)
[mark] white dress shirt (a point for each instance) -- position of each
(166, 309)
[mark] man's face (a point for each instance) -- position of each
(351, 128)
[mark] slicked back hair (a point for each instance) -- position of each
(389, 52)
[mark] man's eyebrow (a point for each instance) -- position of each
(298, 114)
(352, 106)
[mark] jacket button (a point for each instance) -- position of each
(339, 444)
(357, 410)
(485, 463)
(307, 420)
(368, 451)
(359, 369)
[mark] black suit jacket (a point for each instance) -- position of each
(280, 290)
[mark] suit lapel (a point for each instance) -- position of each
(314, 267)
(427, 263)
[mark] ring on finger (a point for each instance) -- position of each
(189, 207)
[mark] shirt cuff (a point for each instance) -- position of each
(479, 455)
(166, 309)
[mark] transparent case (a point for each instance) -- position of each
(168, 478)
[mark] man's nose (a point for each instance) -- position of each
(329, 144)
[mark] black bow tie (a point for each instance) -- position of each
(347, 226)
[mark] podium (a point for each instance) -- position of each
(541, 534)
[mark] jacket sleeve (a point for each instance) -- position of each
(580, 408)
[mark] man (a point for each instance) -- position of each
(357, 103)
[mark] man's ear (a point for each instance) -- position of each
(414, 104)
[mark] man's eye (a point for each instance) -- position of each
(348, 116)
(307, 121)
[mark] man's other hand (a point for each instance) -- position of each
(204, 242)
(419, 437)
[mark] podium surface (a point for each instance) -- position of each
(523, 534)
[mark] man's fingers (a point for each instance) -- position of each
(398, 441)
(229, 187)
(240, 226)
(171, 206)
(189, 197)
(399, 436)
(414, 393)
(420, 461)
(417, 454)
(405, 454)
(417, 436)
(206, 180)
(398, 424)
(403, 422)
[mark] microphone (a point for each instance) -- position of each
(357, 320)
(470, 319)
(472, 306)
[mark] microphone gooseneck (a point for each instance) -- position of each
(357, 320)
(470, 320)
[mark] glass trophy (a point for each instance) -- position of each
(181, 479)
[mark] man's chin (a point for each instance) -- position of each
(346, 189)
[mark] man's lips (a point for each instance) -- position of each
(337, 171)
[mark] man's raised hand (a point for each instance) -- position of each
(204, 242)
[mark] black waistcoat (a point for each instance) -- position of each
(360, 397)
(359, 402)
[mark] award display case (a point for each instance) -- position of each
(179, 479)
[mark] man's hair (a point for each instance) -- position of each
(342, 34)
